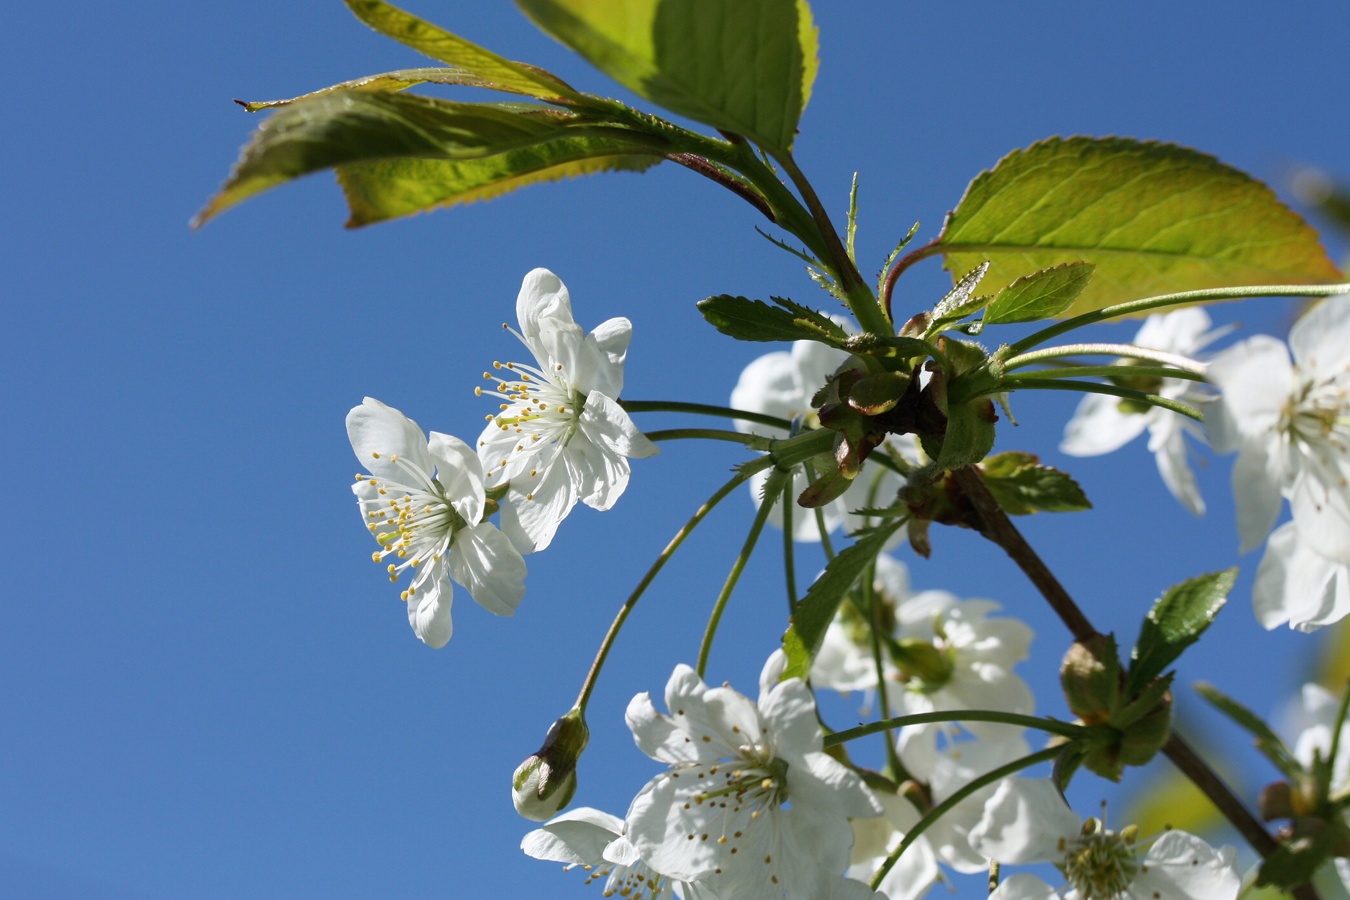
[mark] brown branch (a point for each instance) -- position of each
(992, 522)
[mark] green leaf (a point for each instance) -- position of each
(491, 70)
(385, 189)
(745, 66)
(755, 320)
(387, 81)
(1267, 741)
(1039, 295)
(354, 126)
(960, 300)
(1021, 485)
(816, 610)
(1154, 218)
(1176, 621)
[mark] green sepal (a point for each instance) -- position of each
(1312, 844)
(875, 394)
(755, 320)
(354, 126)
(1176, 621)
(489, 69)
(970, 433)
(816, 610)
(1267, 741)
(1022, 486)
(1155, 218)
(745, 67)
(1040, 295)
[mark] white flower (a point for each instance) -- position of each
(751, 807)
(1315, 721)
(1103, 423)
(874, 839)
(1289, 421)
(594, 840)
(1298, 585)
(561, 435)
(946, 761)
(1027, 821)
(946, 653)
(424, 503)
(781, 384)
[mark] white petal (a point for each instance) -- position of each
(1320, 340)
(1024, 822)
(769, 385)
(460, 473)
(598, 476)
(611, 339)
(1168, 444)
(1320, 503)
(1180, 866)
(429, 610)
(772, 672)
(656, 735)
(1024, 887)
(374, 428)
(1295, 584)
(483, 560)
(542, 296)
(550, 499)
(1256, 494)
(1255, 378)
(1100, 426)
(578, 836)
(789, 712)
(606, 423)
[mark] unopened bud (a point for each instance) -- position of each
(1276, 801)
(543, 785)
(1090, 675)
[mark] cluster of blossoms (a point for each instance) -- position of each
(752, 808)
(560, 437)
(1285, 411)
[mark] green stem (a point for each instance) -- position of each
(1164, 300)
(861, 301)
(753, 441)
(965, 791)
(1112, 372)
(1125, 351)
(771, 491)
(1340, 721)
(704, 409)
(895, 768)
(1050, 726)
(789, 547)
(1028, 382)
(598, 663)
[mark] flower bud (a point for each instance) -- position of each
(1090, 676)
(544, 783)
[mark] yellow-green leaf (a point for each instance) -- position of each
(387, 81)
(1154, 218)
(385, 189)
(352, 126)
(494, 71)
(745, 66)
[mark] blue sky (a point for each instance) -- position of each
(209, 691)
